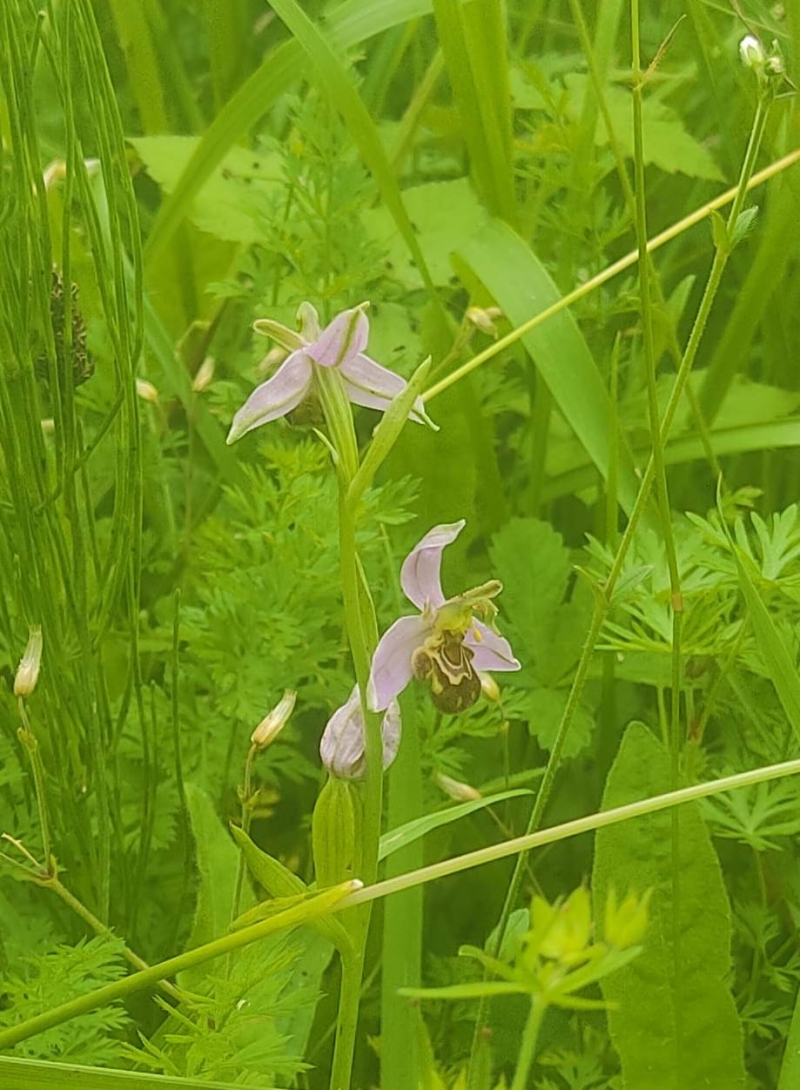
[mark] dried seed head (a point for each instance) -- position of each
(28, 670)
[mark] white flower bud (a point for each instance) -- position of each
(342, 747)
(205, 375)
(273, 723)
(454, 789)
(28, 670)
(752, 53)
(489, 687)
(147, 391)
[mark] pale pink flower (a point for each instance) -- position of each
(443, 644)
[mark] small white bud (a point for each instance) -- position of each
(273, 723)
(454, 789)
(28, 670)
(752, 53)
(147, 391)
(205, 375)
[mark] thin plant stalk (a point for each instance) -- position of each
(527, 1050)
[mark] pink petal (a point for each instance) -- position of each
(491, 651)
(343, 339)
(375, 387)
(275, 397)
(391, 663)
(419, 576)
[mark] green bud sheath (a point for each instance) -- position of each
(336, 832)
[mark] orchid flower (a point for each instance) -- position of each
(443, 644)
(340, 345)
(343, 744)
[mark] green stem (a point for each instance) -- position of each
(28, 739)
(528, 1047)
(347, 1019)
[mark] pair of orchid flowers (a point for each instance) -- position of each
(444, 643)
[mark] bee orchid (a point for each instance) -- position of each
(339, 345)
(444, 644)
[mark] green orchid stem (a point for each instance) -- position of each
(604, 594)
(347, 1019)
(362, 635)
(320, 905)
(528, 1047)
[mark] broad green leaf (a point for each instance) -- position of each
(399, 838)
(217, 862)
(667, 144)
(442, 214)
(529, 558)
(232, 202)
(37, 1075)
(522, 287)
(546, 709)
(675, 1024)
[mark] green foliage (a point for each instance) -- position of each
(56, 975)
(676, 1021)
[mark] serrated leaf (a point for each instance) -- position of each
(667, 143)
(233, 201)
(676, 1024)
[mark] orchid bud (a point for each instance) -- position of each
(273, 723)
(205, 375)
(459, 792)
(342, 747)
(147, 391)
(28, 670)
(48, 425)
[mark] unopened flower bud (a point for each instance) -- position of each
(48, 425)
(147, 391)
(489, 687)
(273, 358)
(625, 923)
(460, 792)
(343, 745)
(566, 928)
(28, 670)
(483, 318)
(273, 723)
(752, 53)
(205, 374)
